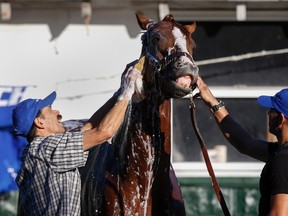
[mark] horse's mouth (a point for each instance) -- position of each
(185, 82)
(183, 85)
(184, 77)
(179, 80)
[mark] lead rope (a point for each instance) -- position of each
(207, 159)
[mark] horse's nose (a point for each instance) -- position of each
(183, 65)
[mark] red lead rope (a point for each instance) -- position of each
(207, 160)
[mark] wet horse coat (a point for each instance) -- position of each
(133, 175)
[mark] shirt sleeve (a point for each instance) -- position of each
(237, 134)
(64, 152)
(279, 174)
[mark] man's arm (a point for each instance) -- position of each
(98, 116)
(107, 120)
(232, 131)
(107, 127)
(100, 113)
(279, 205)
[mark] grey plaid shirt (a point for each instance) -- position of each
(49, 180)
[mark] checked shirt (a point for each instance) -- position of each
(49, 180)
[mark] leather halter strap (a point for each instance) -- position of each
(160, 65)
(164, 62)
(207, 160)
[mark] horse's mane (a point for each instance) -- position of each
(119, 140)
(144, 42)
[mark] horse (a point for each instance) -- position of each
(133, 174)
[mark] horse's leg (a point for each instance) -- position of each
(93, 181)
(167, 197)
(177, 198)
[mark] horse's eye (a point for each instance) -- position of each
(164, 53)
(155, 40)
(194, 48)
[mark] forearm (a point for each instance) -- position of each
(233, 131)
(107, 127)
(235, 134)
(98, 116)
(114, 118)
(279, 205)
(239, 137)
(107, 120)
(126, 90)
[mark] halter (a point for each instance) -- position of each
(206, 157)
(160, 65)
(163, 63)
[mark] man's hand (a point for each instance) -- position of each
(205, 93)
(129, 78)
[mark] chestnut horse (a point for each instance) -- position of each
(133, 175)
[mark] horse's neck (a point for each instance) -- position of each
(160, 112)
(165, 124)
(165, 111)
(155, 98)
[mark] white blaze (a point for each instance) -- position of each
(180, 40)
(180, 43)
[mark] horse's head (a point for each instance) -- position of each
(168, 48)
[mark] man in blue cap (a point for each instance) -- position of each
(274, 177)
(49, 180)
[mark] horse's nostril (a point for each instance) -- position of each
(195, 70)
(180, 64)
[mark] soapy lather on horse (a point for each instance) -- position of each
(133, 175)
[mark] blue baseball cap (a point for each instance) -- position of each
(25, 112)
(279, 101)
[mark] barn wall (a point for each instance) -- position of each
(49, 47)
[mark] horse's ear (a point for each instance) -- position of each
(190, 28)
(169, 18)
(143, 22)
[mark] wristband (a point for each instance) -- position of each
(217, 106)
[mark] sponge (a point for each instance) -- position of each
(140, 63)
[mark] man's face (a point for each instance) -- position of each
(275, 120)
(52, 120)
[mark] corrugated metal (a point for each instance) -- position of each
(206, 10)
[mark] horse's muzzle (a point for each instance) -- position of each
(180, 78)
(184, 72)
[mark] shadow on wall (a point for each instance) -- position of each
(59, 19)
